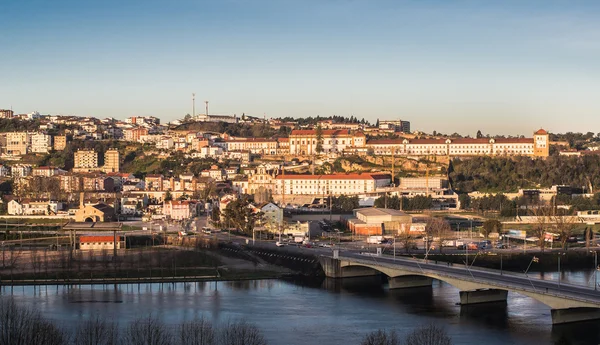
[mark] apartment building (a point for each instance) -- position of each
(254, 145)
(134, 134)
(46, 171)
(335, 184)
(71, 183)
(154, 182)
(20, 170)
(304, 141)
(6, 113)
(60, 142)
(17, 143)
(179, 210)
(41, 143)
(86, 160)
(395, 125)
(111, 161)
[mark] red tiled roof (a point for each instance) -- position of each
(452, 141)
(365, 176)
(242, 140)
(541, 131)
(328, 132)
(514, 140)
(93, 239)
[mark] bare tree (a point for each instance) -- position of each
(428, 335)
(33, 253)
(564, 225)
(15, 255)
(381, 337)
(63, 259)
(406, 240)
(439, 229)
(23, 326)
(241, 333)
(541, 225)
(96, 331)
(197, 332)
(91, 259)
(146, 331)
(105, 258)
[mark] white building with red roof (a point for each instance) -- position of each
(304, 141)
(334, 184)
(536, 146)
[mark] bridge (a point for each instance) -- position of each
(568, 303)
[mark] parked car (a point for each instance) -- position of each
(279, 244)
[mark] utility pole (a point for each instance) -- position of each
(283, 184)
(393, 161)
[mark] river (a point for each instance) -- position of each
(333, 312)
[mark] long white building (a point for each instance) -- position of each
(335, 184)
(537, 146)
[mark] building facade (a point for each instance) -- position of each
(111, 161)
(6, 113)
(254, 145)
(304, 141)
(535, 147)
(86, 159)
(41, 143)
(60, 142)
(335, 184)
(17, 143)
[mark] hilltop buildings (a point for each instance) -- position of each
(538, 146)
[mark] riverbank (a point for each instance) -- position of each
(143, 265)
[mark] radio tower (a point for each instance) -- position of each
(193, 105)
(206, 102)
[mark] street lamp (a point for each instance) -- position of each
(559, 255)
(595, 269)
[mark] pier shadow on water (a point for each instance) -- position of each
(373, 285)
(578, 333)
(493, 315)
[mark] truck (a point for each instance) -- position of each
(298, 239)
(375, 239)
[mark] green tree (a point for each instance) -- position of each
(240, 214)
(489, 226)
(215, 216)
(168, 196)
(319, 134)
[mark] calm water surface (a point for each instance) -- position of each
(332, 313)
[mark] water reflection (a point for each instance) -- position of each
(326, 311)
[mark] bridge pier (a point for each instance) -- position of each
(568, 315)
(482, 296)
(410, 281)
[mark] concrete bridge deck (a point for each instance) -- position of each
(569, 303)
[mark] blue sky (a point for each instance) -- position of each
(505, 67)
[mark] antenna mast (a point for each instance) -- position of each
(193, 105)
